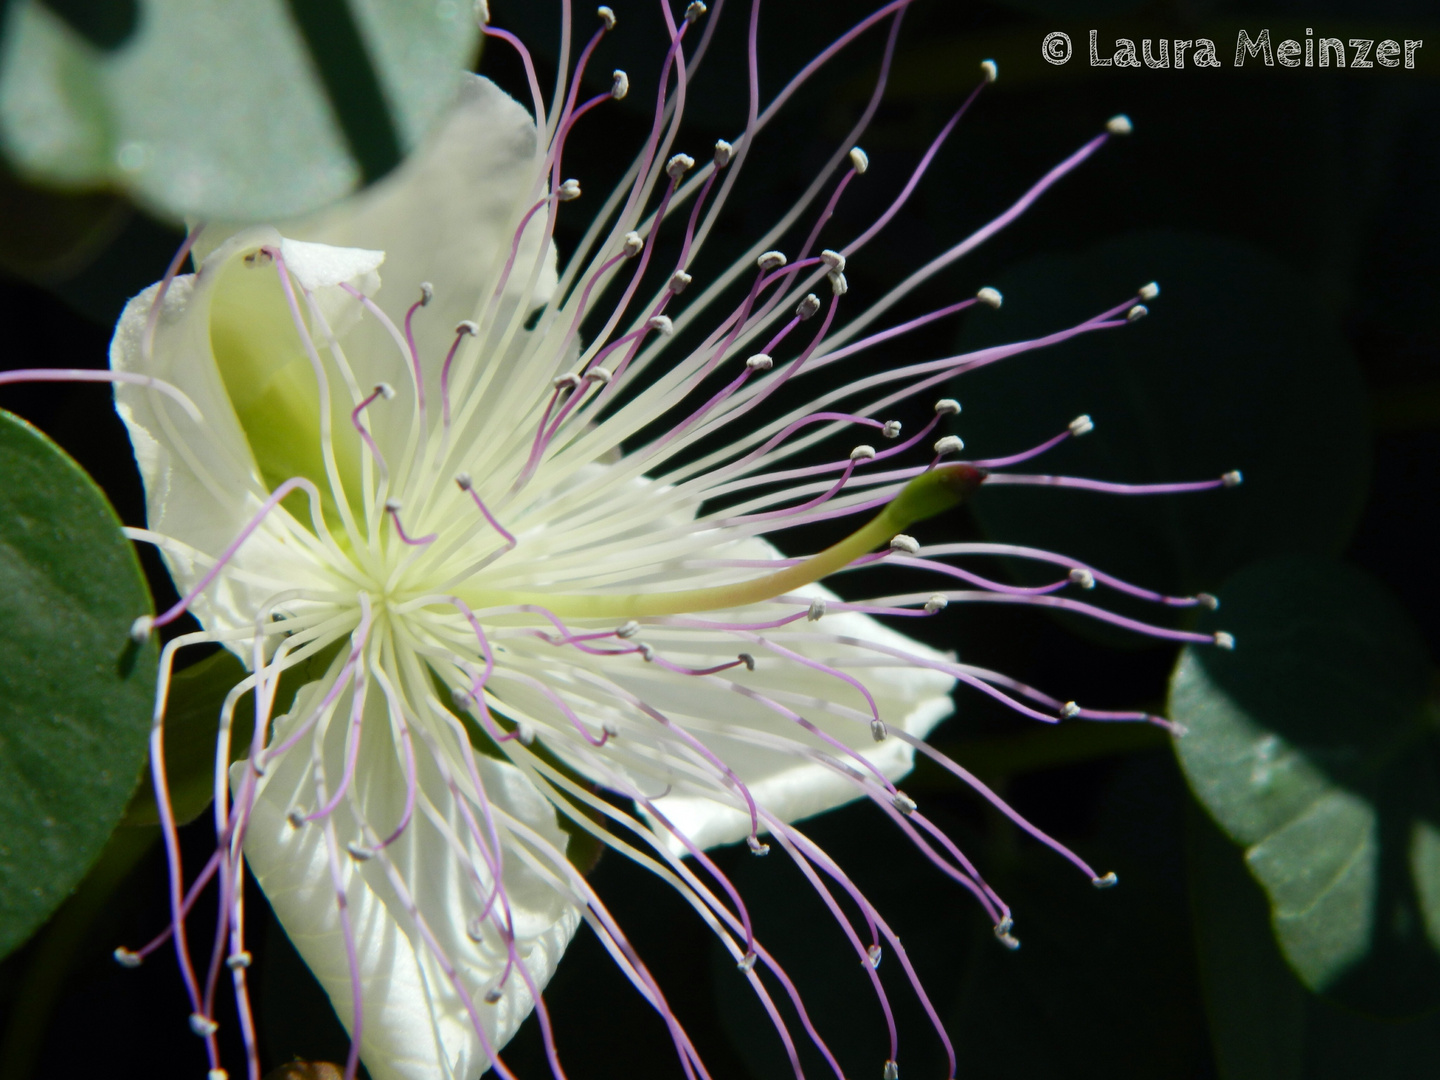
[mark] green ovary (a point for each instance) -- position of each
(272, 387)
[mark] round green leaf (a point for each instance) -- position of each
(237, 112)
(75, 690)
(1237, 366)
(1311, 746)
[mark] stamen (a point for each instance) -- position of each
(947, 407)
(817, 609)
(990, 297)
(723, 153)
(808, 307)
(392, 507)
(620, 85)
(679, 282)
(906, 544)
(1106, 881)
(607, 16)
(1119, 125)
(1136, 313)
(1224, 641)
(859, 160)
(760, 362)
(1150, 291)
(568, 191)
(948, 444)
(989, 70)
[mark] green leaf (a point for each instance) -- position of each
(236, 112)
(75, 690)
(1312, 747)
(1238, 366)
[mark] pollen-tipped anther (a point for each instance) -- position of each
(723, 153)
(859, 160)
(807, 307)
(141, 629)
(679, 165)
(839, 286)
(1150, 291)
(1233, 478)
(891, 1071)
(990, 297)
(817, 609)
(1105, 881)
(679, 282)
(1208, 600)
(878, 731)
(1224, 641)
(760, 362)
(125, 958)
(607, 16)
(695, 10)
(1082, 577)
(949, 444)
(217, 1074)
(238, 961)
(891, 430)
(1136, 313)
(748, 660)
(468, 327)
(947, 406)
(771, 260)
(427, 293)
(599, 375)
(757, 846)
(834, 260)
(905, 545)
(463, 481)
(873, 955)
(937, 603)
(627, 629)
(1081, 425)
(903, 803)
(1119, 125)
(202, 1025)
(661, 324)
(633, 245)
(990, 70)
(747, 962)
(568, 381)
(862, 453)
(568, 191)
(385, 390)
(1069, 710)
(619, 84)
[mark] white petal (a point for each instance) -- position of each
(416, 1027)
(316, 266)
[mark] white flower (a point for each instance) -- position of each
(495, 493)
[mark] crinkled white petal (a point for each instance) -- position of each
(317, 266)
(416, 1027)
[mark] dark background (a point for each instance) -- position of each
(1292, 218)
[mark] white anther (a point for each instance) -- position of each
(493, 995)
(990, 297)
(1208, 600)
(610, 730)
(217, 1074)
(1069, 710)
(771, 260)
(568, 190)
(619, 85)
(937, 603)
(385, 390)
(760, 362)
(607, 16)
(694, 11)
(525, 734)
(141, 629)
(748, 660)
(679, 165)
(892, 1071)
(1008, 940)
(1082, 425)
(1004, 926)
(1119, 125)
(427, 293)
(947, 406)
(633, 245)
(838, 285)
(878, 731)
(296, 818)
(627, 629)
(468, 327)
(723, 153)
(817, 609)
(757, 846)
(907, 544)
(359, 852)
(1136, 313)
(1178, 729)
(646, 651)
(873, 955)
(662, 324)
(1149, 292)
(747, 962)
(808, 307)
(599, 375)
(475, 930)
(202, 1025)
(1105, 881)
(949, 444)
(568, 381)
(464, 481)
(1224, 641)
(679, 282)
(859, 160)
(394, 505)
(1233, 478)
(1082, 577)
(834, 260)
(125, 958)
(903, 803)
(989, 70)
(238, 961)
(862, 453)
